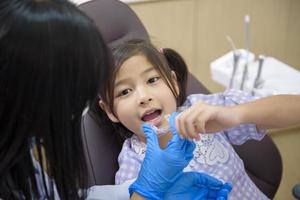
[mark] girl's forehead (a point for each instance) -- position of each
(136, 64)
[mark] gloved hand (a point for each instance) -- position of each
(198, 186)
(162, 167)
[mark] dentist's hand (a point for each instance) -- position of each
(161, 167)
(198, 186)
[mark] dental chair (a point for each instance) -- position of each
(117, 22)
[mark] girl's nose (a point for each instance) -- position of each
(146, 100)
(143, 96)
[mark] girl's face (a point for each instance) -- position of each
(141, 95)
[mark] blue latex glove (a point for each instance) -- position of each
(198, 186)
(162, 167)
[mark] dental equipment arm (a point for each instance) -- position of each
(247, 42)
(258, 81)
(236, 57)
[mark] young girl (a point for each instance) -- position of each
(144, 89)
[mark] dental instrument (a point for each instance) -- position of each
(258, 81)
(165, 128)
(236, 57)
(247, 43)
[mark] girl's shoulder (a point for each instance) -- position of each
(231, 95)
(205, 98)
(133, 146)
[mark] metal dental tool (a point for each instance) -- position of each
(258, 81)
(236, 57)
(247, 43)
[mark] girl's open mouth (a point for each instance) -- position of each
(153, 118)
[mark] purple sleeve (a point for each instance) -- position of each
(241, 133)
(129, 164)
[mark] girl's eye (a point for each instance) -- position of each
(153, 79)
(123, 93)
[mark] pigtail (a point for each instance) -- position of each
(178, 65)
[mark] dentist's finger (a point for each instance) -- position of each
(151, 137)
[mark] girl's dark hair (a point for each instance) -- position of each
(164, 61)
(53, 63)
(178, 65)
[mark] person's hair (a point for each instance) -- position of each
(164, 61)
(53, 62)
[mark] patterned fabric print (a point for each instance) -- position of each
(213, 153)
(39, 176)
(130, 160)
(245, 189)
(210, 151)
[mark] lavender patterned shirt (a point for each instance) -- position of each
(213, 153)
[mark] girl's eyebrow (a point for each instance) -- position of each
(150, 69)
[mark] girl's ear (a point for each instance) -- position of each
(108, 112)
(174, 79)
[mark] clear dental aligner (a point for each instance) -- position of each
(165, 128)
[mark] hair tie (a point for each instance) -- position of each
(161, 50)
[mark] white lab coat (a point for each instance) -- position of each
(109, 192)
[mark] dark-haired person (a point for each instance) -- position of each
(53, 63)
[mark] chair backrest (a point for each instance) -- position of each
(118, 22)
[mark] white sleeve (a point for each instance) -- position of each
(111, 192)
